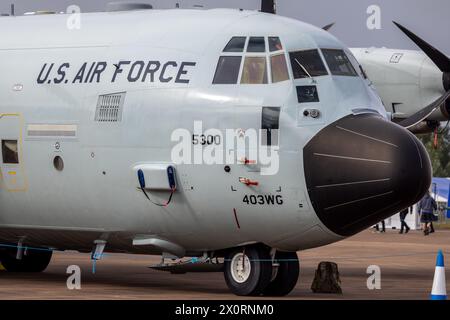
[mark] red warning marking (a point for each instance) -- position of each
(248, 182)
(247, 161)
(236, 218)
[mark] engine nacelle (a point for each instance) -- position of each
(425, 127)
(407, 81)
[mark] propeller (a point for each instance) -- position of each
(268, 6)
(329, 26)
(439, 58)
(442, 61)
(424, 113)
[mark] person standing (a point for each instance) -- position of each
(426, 207)
(404, 225)
(433, 218)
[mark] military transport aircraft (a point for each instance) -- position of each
(90, 119)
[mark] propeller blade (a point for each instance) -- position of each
(424, 113)
(329, 26)
(268, 6)
(439, 58)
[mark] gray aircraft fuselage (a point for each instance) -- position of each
(338, 172)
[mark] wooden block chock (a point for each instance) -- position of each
(327, 279)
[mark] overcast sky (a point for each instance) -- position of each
(427, 18)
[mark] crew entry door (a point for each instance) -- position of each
(13, 178)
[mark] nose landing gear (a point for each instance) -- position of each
(286, 275)
(252, 271)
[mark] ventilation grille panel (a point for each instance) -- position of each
(109, 107)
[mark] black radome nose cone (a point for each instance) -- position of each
(363, 169)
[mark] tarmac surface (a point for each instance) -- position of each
(407, 265)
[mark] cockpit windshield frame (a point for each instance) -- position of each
(307, 63)
(259, 64)
(339, 62)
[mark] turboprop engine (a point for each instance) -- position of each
(413, 85)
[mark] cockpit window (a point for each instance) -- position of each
(279, 68)
(236, 44)
(307, 63)
(339, 63)
(255, 70)
(250, 55)
(227, 71)
(356, 65)
(275, 44)
(256, 44)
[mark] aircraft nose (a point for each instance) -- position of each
(363, 169)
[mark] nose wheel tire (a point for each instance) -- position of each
(286, 276)
(32, 260)
(248, 270)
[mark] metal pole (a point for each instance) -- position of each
(435, 190)
(12, 10)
